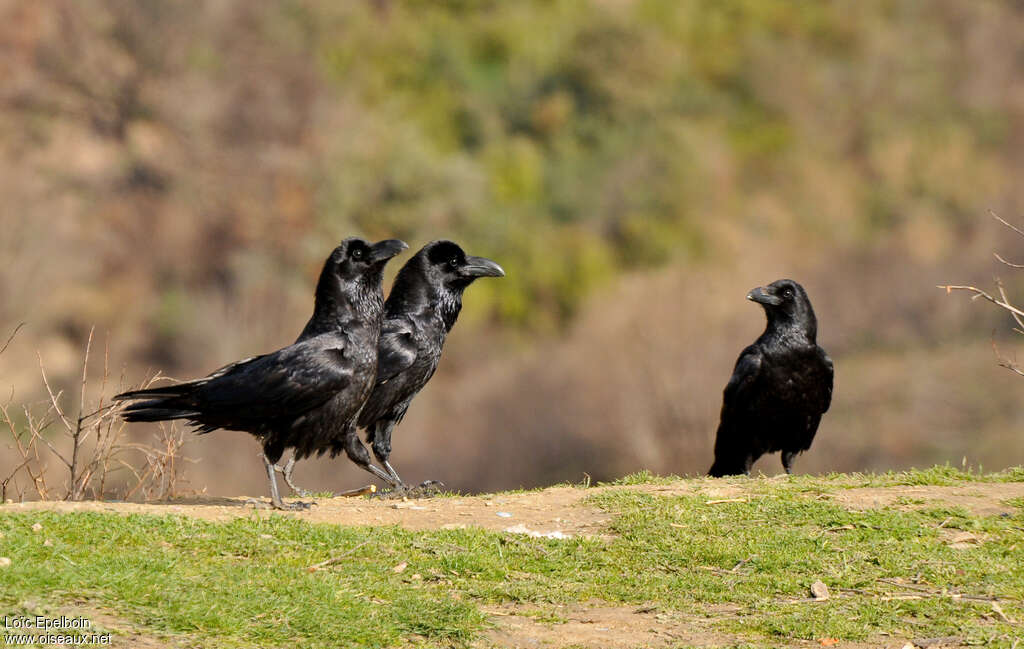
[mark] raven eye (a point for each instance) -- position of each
(357, 253)
(788, 292)
(454, 262)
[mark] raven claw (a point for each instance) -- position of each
(298, 505)
(426, 489)
(295, 506)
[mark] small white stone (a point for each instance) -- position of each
(819, 590)
(5, 562)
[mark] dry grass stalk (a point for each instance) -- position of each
(90, 445)
(1003, 301)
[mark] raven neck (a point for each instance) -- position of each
(358, 304)
(791, 333)
(413, 292)
(448, 307)
(410, 296)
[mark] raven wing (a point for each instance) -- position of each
(731, 446)
(253, 393)
(284, 383)
(748, 367)
(830, 372)
(397, 349)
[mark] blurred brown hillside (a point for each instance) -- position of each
(175, 173)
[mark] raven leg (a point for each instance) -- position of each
(747, 463)
(392, 472)
(381, 445)
(358, 454)
(287, 472)
(275, 496)
(787, 460)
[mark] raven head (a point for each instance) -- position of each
(350, 285)
(355, 268)
(356, 258)
(785, 301)
(435, 277)
(448, 266)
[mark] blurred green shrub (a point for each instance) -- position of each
(570, 140)
(559, 136)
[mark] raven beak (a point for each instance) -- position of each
(384, 250)
(481, 267)
(762, 295)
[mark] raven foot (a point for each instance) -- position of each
(281, 506)
(298, 505)
(426, 489)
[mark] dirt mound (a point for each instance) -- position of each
(561, 512)
(556, 512)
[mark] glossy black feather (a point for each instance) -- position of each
(780, 387)
(423, 305)
(305, 396)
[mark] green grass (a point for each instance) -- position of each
(247, 582)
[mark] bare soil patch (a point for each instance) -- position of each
(549, 512)
(981, 498)
(555, 511)
(124, 634)
(597, 625)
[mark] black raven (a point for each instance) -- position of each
(421, 309)
(780, 388)
(305, 396)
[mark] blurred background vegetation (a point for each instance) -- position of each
(175, 173)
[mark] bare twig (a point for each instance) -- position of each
(358, 491)
(36, 431)
(1010, 264)
(333, 560)
(1006, 300)
(1002, 361)
(930, 592)
(75, 492)
(999, 611)
(11, 337)
(54, 397)
(1003, 301)
(10, 476)
(159, 479)
(29, 456)
(1006, 223)
(99, 411)
(982, 294)
(741, 563)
